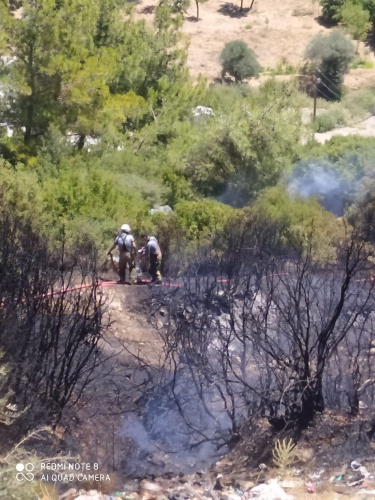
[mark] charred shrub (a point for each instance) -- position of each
(50, 339)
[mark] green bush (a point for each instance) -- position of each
(331, 8)
(330, 56)
(361, 64)
(360, 102)
(239, 61)
(299, 218)
(325, 122)
(202, 218)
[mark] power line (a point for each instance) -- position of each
(329, 80)
(325, 95)
(330, 90)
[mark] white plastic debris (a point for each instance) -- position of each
(316, 475)
(165, 209)
(355, 465)
(202, 110)
(92, 495)
(270, 491)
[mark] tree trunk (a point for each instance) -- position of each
(81, 141)
(312, 401)
(31, 97)
(29, 118)
(241, 6)
(252, 3)
(197, 4)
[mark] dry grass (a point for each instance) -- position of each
(278, 29)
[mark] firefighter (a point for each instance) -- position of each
(127, 252)
(153, 252)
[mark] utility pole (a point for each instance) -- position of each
(316, 81)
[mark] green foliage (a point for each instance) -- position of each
(351, 156)
(360, 103)
(284, 68)
(302, 222)
(356, 20)
(19, 189)
(202, 218)
(331, 8)
(331, 55)
(239, 61)
(325, 122)
(246, 149)
(360, 63)
(85, 71)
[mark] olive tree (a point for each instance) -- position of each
(330, 56)
(239, 61)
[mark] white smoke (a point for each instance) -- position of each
(322, 182)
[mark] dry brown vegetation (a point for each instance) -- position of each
(278, 32)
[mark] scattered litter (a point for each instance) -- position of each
(356, 483)
(297, 472)
(311, 487)
(233, 496)
(355, 465)
(270, 491)
(316, 475)
(365, 473)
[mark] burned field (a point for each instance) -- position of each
(271, 339)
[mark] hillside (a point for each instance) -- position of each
(278, 32)
(234, 344)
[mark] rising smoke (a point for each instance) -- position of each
(323, 182)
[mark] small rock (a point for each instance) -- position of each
(68, 495)
(234, 496)
(224, 481)
(245, 485)
(149, 487)
(305, 454)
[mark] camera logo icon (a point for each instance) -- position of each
(24, 472)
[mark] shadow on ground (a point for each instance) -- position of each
(370, 41)
(149, 9)
(231, 10)
(192, 19)
(326, 23)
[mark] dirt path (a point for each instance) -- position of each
(98, 428)
(365, 128)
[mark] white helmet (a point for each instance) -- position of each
(125, 228)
